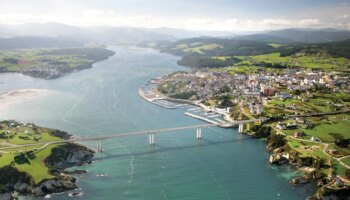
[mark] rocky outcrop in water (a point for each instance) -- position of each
(312, 172)
(68, 155)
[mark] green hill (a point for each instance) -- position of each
(37, 163)
(219, 52)
(198, 52)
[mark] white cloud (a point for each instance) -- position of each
(345, 16)
(95, 17)
(246, 25)
(299, 23)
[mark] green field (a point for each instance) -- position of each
(346, 161)
(36, 168)
(325, 130)
(50, 63)
(339, 169)
(306, 61)
(317, 103)
(242, 70)
(342, 151)
(312, 149)
(197, 47)
(19, 134)
(29, 58)
(276, 45)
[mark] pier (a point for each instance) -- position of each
(201, 118)
(99, 146)
(241, 128)
(199, 133)
(154, 98)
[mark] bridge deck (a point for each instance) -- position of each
(135, 133)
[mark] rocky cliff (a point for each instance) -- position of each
(61, 157)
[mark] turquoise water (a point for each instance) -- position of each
(104, 100)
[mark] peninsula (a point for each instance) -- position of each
(51, 63)
(37, 170)
(302, 91)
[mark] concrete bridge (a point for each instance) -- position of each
(151, 134)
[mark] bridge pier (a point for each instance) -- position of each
(199, 133)
(99, 146)
(240, 128)
(151, 138)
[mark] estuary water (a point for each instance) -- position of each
(104, 100)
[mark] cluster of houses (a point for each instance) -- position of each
(10, 129)
(47, 71)
(204, 83)
(254, 90)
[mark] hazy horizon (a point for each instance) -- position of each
(193, 15)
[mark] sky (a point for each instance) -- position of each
(202, 15)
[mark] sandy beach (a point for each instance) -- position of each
(20, 96)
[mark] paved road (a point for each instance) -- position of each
(324, 150)
(129, 134)
(319, 114)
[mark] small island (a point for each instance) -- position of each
(37, 170)
(51, 63)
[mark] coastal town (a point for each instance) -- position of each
(178, 100)
(306, 114)
(253, 92)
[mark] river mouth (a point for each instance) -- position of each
(104, 100)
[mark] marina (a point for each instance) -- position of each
(193, 110)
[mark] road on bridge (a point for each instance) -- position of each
(129, 134)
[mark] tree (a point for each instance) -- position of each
(263, 132)
(10, 60)
(296, 92)
(225, 102)
(276, 140)
(347, 173)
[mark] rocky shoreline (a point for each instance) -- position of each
(328, 185)
(311, 169)
(61, 158)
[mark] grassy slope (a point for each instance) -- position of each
(320, 102)
(275, 45)
(201, 48)
(347, 161)
(35, 167)
(44, 136)
(323, 131)
(301, 61)
(339, 169)
(326, 128)
(71, 58)
(315, 151)
(34, 57)
(333, 55)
